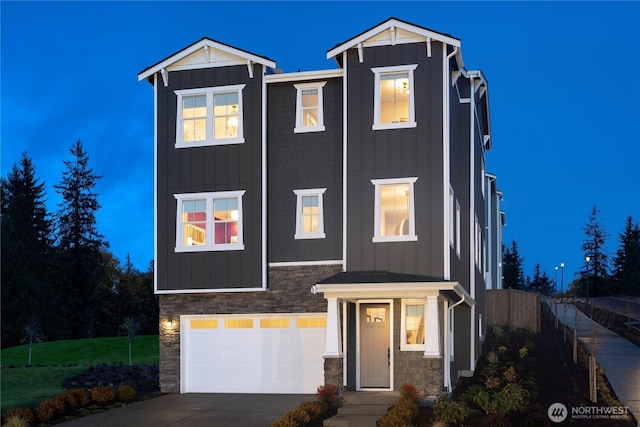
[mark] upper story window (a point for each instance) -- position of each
(394, 105)
(394, 217)
(309, 107)
(309, 214)
(209, 221)
(209, 116)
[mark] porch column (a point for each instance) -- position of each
(432, 326)
(333, 339)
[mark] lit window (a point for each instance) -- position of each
(309, 214)
(209, 221)
(210, 116)
(394, 218)
(413, 328)
(309, 107)
(394, 99)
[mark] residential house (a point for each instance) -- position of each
(321, 227)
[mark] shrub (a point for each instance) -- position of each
(80, 396)
(393, 420)
(15, 421)
(102, 394)
(314, 408)
(126, 393)
(409, 391)
(450, 411)
(45, 411)
(401, 414)
(295, 418)
(26, 414)
(327, 393)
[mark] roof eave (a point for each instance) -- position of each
(393, 22)
(199, 45)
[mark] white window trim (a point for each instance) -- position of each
(300, 128)
(411, 237)
(458, 215)
(452, 218)
(403, 325)
(300, 234)
(378, 71)
(210, 140)
(209, 245)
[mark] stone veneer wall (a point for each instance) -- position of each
(289, 292)
(427, 374)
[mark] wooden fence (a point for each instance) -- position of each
(513, 307)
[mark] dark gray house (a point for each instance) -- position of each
(321, 227)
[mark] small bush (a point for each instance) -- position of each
(102, 394)
(126, 393)
(15, 421)
(26, 414)
(401, 414)
(45, 411)
(295, 418)
(450, 411)
(411, 392)
(327, 393)
(80, 396)
(314, 408)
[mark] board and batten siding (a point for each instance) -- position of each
(209, 169)
(396, 153)
(303, 161)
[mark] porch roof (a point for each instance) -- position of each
(384, 284)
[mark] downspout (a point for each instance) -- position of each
(264, 178)
(447, 349)
(446, 155)
(344, 161)
(472, 210)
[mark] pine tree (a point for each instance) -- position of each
(79, 243)
(626, 264)
(26, 248)
(596, 271)
(512, 271)
(540, 283)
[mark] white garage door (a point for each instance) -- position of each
(252, 353)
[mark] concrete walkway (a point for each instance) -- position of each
(619, 358)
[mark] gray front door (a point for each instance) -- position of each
(375, 346)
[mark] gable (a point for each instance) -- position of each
(206, 53)
(391, 32)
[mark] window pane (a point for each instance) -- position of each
(394, 98)
(194, 222)
(309, 107)
(394, 210)
(310, 214)
(226, 115)
(225, 218)
(194, 122)
(375, 314)
(414, 321)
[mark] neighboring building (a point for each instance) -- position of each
(325, 226)
(495, 222)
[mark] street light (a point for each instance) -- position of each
(564, 307)
(562, 276)
(587, 259)
(556, 283)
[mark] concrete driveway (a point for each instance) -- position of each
(198, 410)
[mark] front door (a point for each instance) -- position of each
(375, 345)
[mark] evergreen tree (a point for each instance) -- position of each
(596, 271)
(26, 248)
(512, 271)
(626, 264)
(80, 244)
(540, 283)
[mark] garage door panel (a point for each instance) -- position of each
(253, 354)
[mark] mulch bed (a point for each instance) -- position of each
(558, 380)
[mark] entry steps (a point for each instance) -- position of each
(362, 408)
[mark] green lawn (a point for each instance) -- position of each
(22, 387)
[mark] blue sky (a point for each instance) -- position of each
(562, 78)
